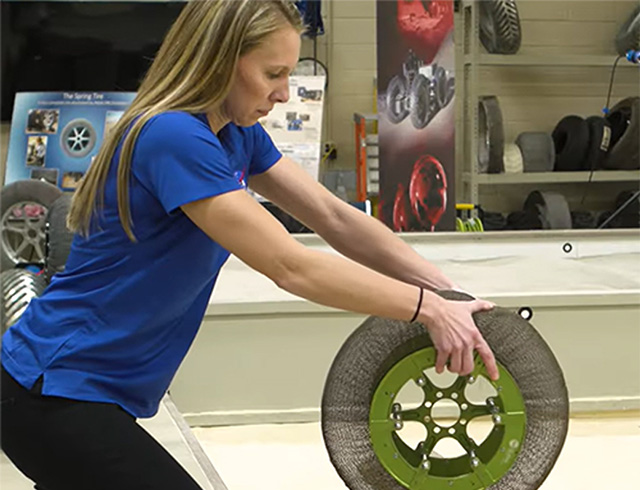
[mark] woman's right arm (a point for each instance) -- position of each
(248, 231)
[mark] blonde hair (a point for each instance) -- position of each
(192, 72)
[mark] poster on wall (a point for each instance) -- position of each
(296, 126)
(416, 83)
(55, 135)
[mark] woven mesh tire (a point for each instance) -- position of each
(500, 31)
(19, 287)
(378, 344)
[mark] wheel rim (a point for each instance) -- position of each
(483, 464)
(23, 232)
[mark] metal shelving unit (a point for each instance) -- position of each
(555, 177)
(539, 60)
(474, 58)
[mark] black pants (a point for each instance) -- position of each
(63, 444)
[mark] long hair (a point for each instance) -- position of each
(192, 72)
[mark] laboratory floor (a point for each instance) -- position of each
(600, 453)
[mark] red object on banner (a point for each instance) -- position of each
(428, 191)
(403, 220)
(425, 24)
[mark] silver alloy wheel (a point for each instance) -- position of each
(23, 236)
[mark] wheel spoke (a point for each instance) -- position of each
(39, 252)
(14, 229)
(414, 415)
(465, 441)
(474, 411)
(21, 247)
(428, 444)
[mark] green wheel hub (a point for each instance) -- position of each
(484, 463)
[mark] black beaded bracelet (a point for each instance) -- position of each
(415, 315)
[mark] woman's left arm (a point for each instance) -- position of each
(346, 229)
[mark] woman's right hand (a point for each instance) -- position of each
(456, 336)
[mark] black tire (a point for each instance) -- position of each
(624, 152)
(59, 237)
(628, 37)
(599, 142)
(378, 344)
(396, 99)
(583, 220)
(19, 287)
(421, 102)
(13, 250)
(571, 141)
(491, 139)
(524, 220)
(538, 151)
(493, 221)
(500, 30)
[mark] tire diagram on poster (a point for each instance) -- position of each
(416, 91)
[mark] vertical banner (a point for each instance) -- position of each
(416, 81)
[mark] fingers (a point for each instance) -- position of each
(467, 362)
(488, 358)
(455, 365)
(441, 361)
(481, 305)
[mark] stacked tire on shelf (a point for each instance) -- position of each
(35, 243)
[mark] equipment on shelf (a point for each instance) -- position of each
(624, 152)
(552, 208)
(571, 141)
(626, 212)
(628, 38)
(513, 159)
(500, 31)
(491, 136)
(538, 151)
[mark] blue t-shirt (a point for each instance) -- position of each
(117, 323)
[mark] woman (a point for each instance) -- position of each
(156, 216)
